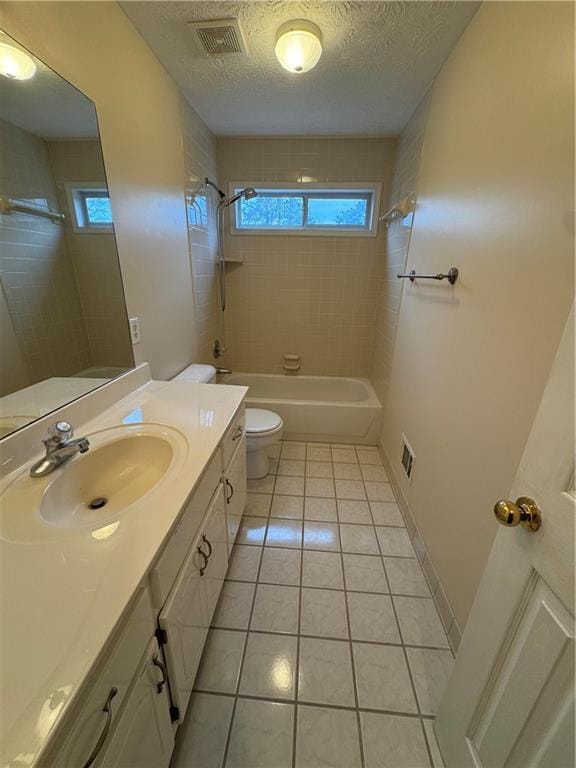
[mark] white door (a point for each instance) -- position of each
(235, 492)
(144, 737)
(510, 701)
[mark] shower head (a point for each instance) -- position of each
(247, 192)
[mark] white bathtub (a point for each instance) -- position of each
(317, 408)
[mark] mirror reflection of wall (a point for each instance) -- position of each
(62, 310)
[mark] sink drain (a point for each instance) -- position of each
(98, 502)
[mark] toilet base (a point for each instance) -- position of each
(257, 464)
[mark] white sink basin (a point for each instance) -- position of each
(123, 465)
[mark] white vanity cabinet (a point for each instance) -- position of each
(185, 618)
(144, 736)
(234, 481)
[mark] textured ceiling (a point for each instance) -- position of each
(378, 60)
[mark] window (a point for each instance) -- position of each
(347, 209)
(89, 204)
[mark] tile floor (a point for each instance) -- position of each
(326, 648)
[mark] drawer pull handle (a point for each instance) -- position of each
(203, 568)
(206, 541)
(107, 708)
(239, 433)
(229, 498)
(157, 663)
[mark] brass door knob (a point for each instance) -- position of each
(524, 512)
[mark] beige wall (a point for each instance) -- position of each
(36, 270)
(94, 257)
(200, 162)
(94, 46)
(395, 250)
(495, 200)
(311, 296)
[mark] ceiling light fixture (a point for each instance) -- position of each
(298, 45)
(15, 63)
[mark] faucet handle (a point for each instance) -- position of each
(59, 432)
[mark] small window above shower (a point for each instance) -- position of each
(307, 209)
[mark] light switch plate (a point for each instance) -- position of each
(135, 330)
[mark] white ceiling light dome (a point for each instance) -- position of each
(298, 45)
(15, 63)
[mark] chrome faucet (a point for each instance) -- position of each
(60, 448)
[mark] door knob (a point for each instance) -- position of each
(524, 512)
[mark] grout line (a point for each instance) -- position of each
(297, 671)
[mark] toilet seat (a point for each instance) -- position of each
(262, 422)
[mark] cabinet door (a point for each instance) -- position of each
(214, 540)
(185, 620)
(144, 737)
(235, 492)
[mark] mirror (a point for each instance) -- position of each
(63, 322)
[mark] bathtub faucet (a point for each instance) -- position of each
(222, 371)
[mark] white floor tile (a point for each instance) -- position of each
(290, 486)
(258, 504)
(354, 512)
(318, 535)
(291, 468)
(262, 485)
(430, 671)
(323, 613)
(284, 533)
(276, 609)
(379, 491)
(365, 573)
(220, 664)
(318, 453)
(269, 666)
(325, 672)
(437, 760)
(347, 471)
(392, 741)
(368, 456)
(386, 513)
(374, 473)
(234, 606)
(252, 530)
(395, 541)
(244, 563)
(280, 566)
(344, 455)
(359, 539)
(292, 451)
(372, 618)
(327, 738)
(350, 489)
(320, 509)
(261, 735)
(419, 622)
(319, 469)
(321, 487)
(202, 736)
(322, 569)
(288, 507)
(382, 678)
(406, 577)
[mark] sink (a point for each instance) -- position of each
(124, 464)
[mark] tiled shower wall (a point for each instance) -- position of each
(316, 297)
(200, 162)
(395, 250)
(37, 273)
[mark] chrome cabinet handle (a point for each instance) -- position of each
(229, 498)
(207, 541)
(203, 568)
(107, 708)
(162, 667)
(239, 433)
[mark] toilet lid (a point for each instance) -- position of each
(259, 420)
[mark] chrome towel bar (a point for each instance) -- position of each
(8, 205)
(451, 276)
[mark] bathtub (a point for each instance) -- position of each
(317, 408)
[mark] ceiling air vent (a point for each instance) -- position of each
(220, 37)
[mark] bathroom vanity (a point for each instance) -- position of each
(106, 611)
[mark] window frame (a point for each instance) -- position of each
(371, 191)
(76, 193)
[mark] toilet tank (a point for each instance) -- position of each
(199, 374)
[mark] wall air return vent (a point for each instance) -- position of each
(219, 37)
(407, 458)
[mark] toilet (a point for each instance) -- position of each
(263, 429)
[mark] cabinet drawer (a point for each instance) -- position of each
(233, 436)
(117, 672)
(166, 569)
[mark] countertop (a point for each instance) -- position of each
(62, 598)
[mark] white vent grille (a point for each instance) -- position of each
(407, 458)
(220, 37)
